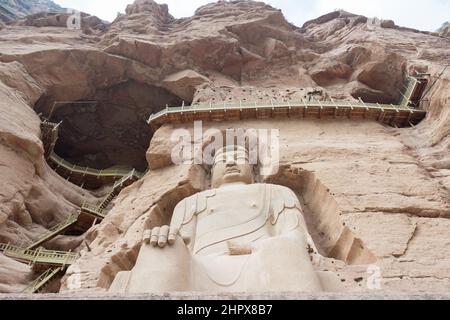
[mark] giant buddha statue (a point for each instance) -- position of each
(240, 236)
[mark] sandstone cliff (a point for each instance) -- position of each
(389, 187)
(444, 30)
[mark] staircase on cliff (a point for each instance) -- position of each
(53, 263)
(414, 90)
(47, 262)
(54, 231)
(43, 280)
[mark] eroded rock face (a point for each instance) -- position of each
(14, 9)
(88, 24)
(184, 84)
(395, 181)
(445, 32)
(14, 275)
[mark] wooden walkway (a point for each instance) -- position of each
(392, 115)
(405, 114)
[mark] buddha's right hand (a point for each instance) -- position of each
(160, 236)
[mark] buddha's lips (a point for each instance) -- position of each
(232, 170)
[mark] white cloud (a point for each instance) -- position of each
(419, 14)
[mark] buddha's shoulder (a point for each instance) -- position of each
(195, 203)
(275, 188)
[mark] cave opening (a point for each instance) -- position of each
(107, 129)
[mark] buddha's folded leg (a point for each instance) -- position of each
(282, 264)
(161, 270)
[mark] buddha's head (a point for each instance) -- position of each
(231, 165)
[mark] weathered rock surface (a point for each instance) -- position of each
(11, 10)
(444, 31)
(184, 83)
(88, 24)
(387, 190)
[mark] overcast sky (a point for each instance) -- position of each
(420, 14)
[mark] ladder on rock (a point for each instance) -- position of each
(56, 230)
(413, 91)
(49, 136)
(98, 212)
(43, 280)
(127, 180)
(108, 199)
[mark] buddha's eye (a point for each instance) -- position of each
(220, 160)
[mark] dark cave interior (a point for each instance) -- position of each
(107, 129)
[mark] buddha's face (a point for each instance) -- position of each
(231, 167)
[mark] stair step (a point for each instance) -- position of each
(55, 231)
(43, 280)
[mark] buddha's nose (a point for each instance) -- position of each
(230, 162)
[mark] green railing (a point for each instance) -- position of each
(107, 200)
(130, 175)
(406, 97)
(99, 210)
(275, 104)
(56, 230)
(42, 280)
(50, 131)
(49, 136)
(95, 210)
(86, 170)
(39, 256)
(51, 125)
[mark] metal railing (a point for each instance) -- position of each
(406, 97)
(86, 170)
(107, 200)
(55, 230)
(42, 280)
(130, 175)
(99, 210)
(52, 125)
(275, 104)
(95, 210)
(39, 256)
